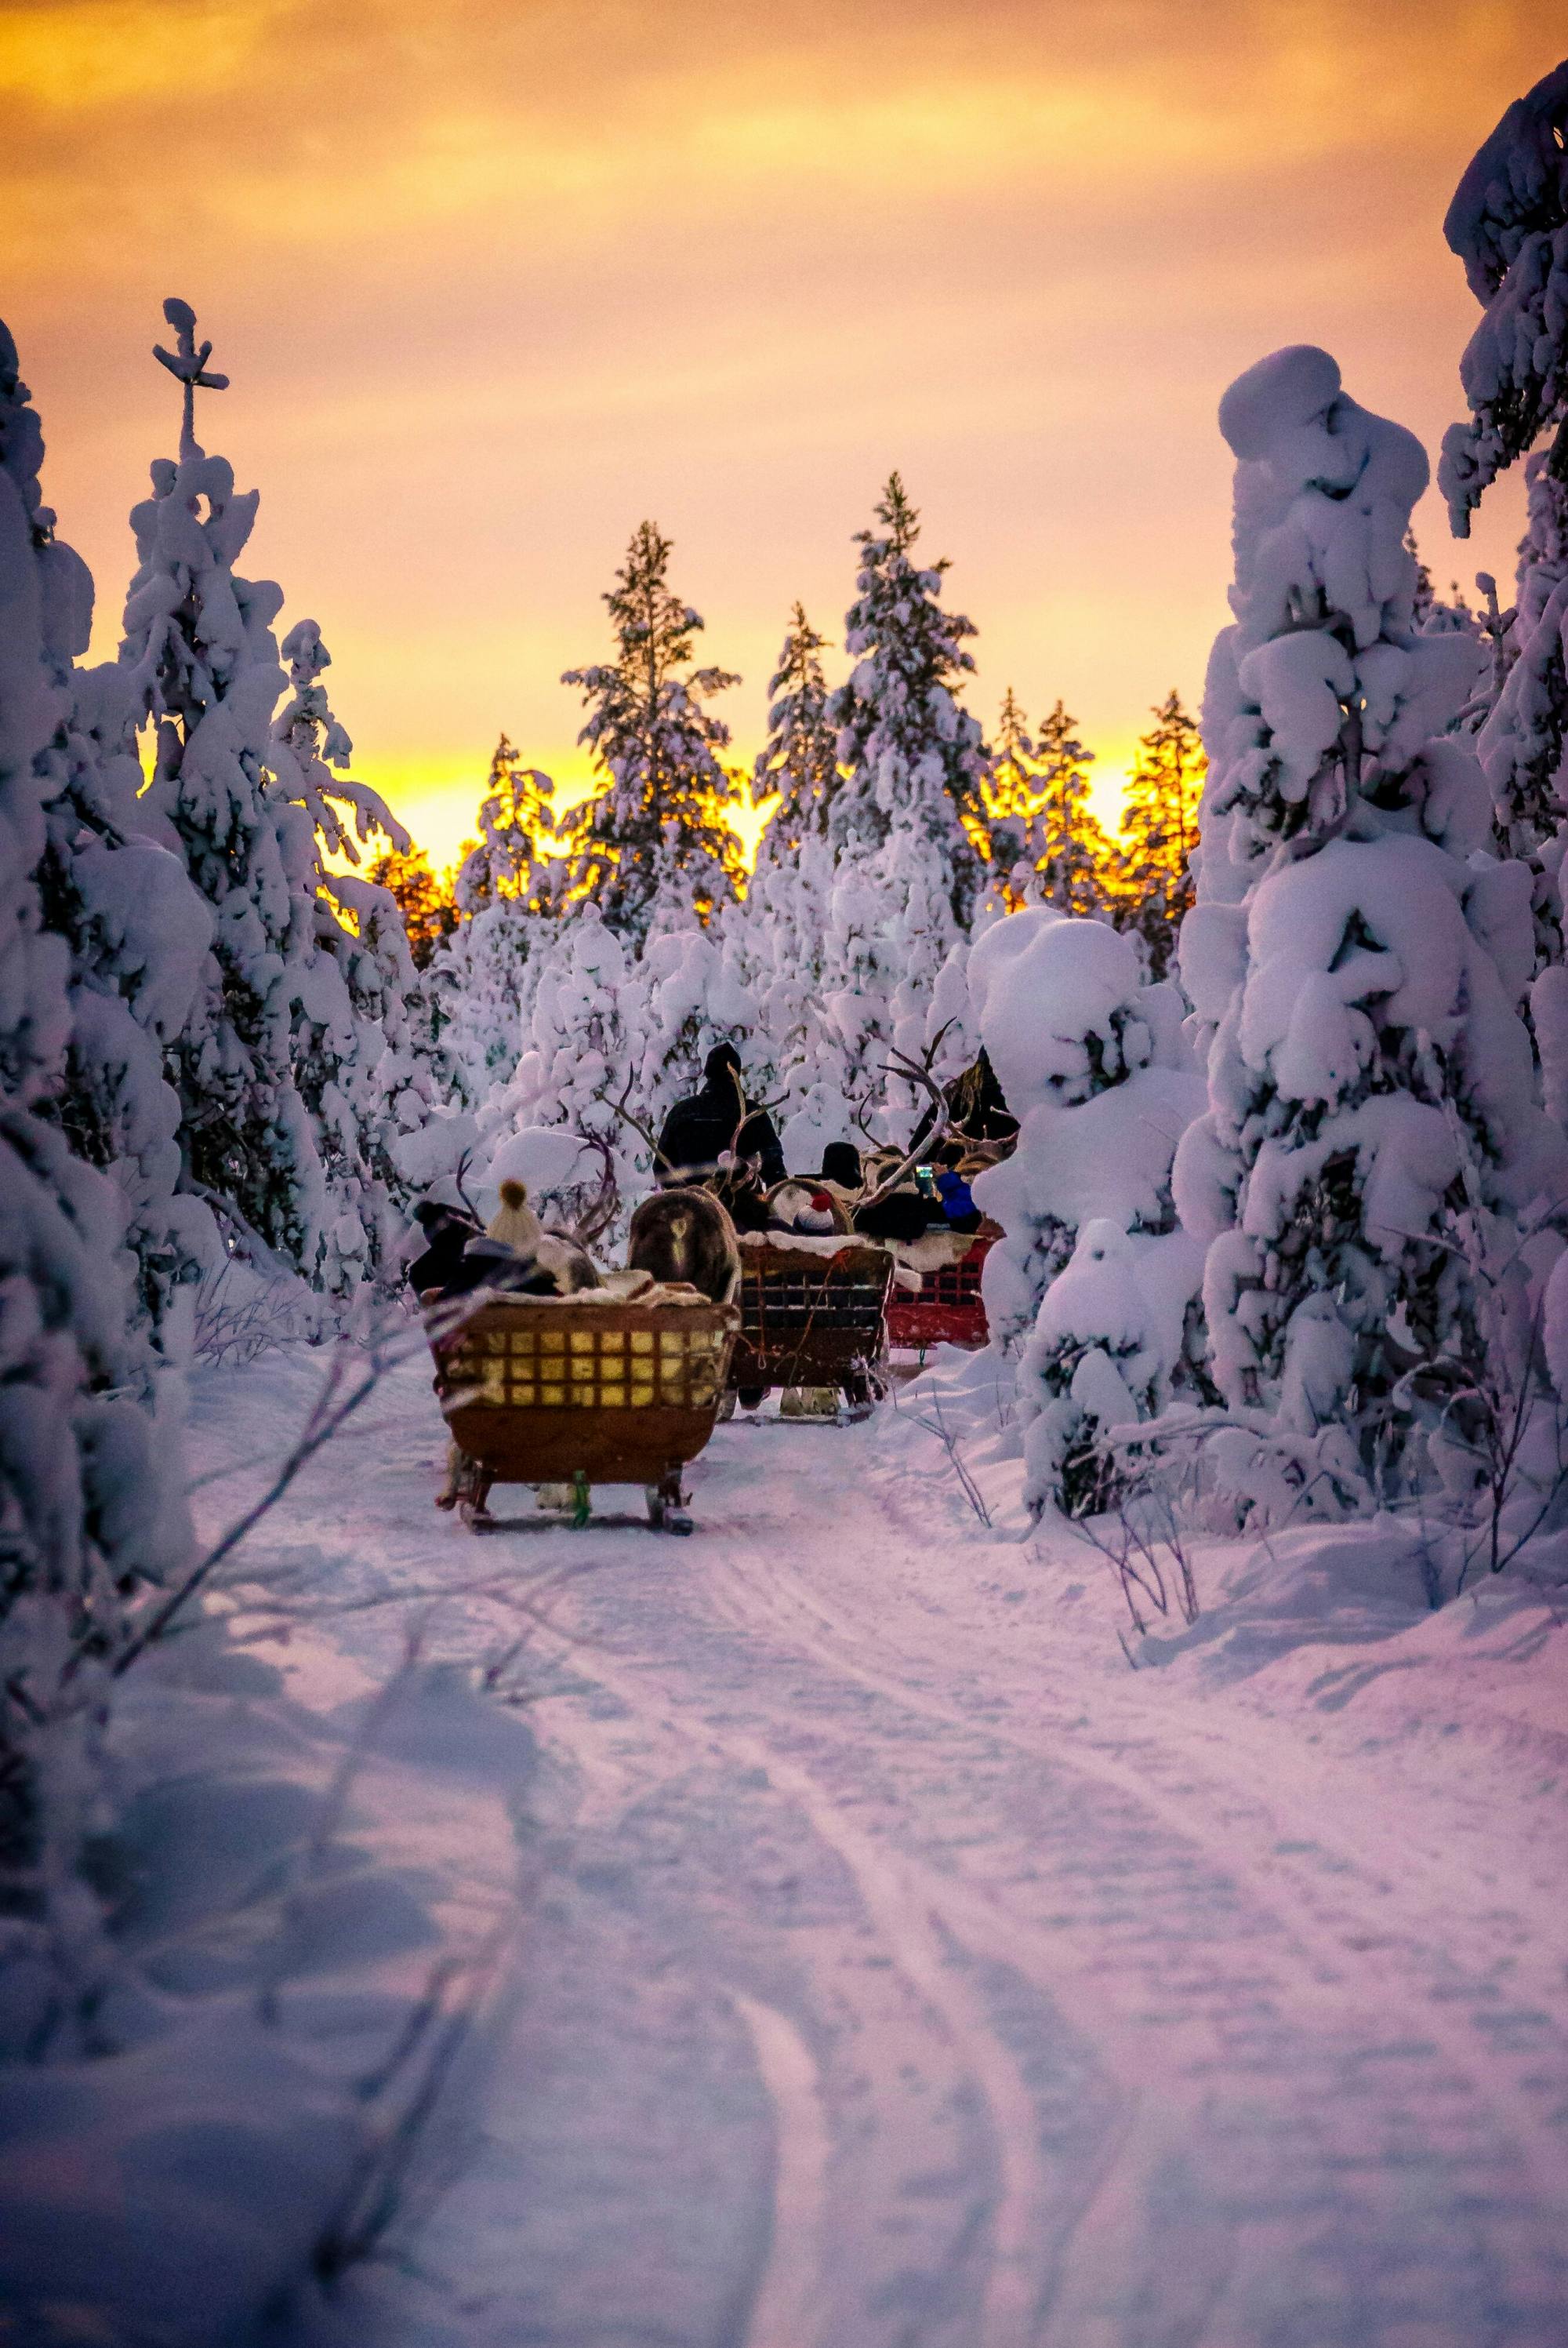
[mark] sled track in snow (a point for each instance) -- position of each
(1244, 2047)
(905, 1974)
(1398, 1963)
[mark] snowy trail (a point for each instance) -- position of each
(908, 1972)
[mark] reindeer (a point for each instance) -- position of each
(915, 1072)
(684, 1232)
(738, 1185)
(885, 1211)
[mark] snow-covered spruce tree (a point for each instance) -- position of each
(1100, 1358)
(1012, 787)
(263, 1068)
(509, 888)
(201, 656)
(689, 996)
(1013, 799)
(912, 758)
(773, 938)
(1522, 742)
(137, 932)
(1092, 1063)
(423, 900)
(910, 807)
(1160, 828)
(359, 1039)
(89, 1493)
(1509, 225)
(1076, 860)
(581, 1042)
(652, 847)
(1354, 961)
(799, 760)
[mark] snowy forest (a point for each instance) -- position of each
(1270, 1160)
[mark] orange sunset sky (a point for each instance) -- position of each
(494, 281)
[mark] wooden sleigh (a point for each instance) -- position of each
(816, 1319)
(540, 1391)
(949, 1309)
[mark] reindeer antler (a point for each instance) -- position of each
(917, 1072)
(619, 1108)
(758, 1108)
(459, 1170)
(859, 1111)
(599, 1214)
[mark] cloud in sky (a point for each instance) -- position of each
(496, 281)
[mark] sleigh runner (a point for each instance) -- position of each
(536, 1391)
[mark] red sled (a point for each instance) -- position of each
(947, 1311)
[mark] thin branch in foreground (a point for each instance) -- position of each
(949, 1441)
(329, 1414)
(1163, 1582)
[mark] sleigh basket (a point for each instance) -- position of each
(949, 1310)
(813, 1319)
(537, 1391)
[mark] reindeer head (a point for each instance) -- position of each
(917, 1072)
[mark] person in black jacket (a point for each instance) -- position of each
(700, 1132)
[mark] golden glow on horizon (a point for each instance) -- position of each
(437, 800)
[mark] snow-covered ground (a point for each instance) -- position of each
(897, 1965)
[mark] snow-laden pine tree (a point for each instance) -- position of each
(266, 1066)
(690, 995)
(775, 935)
(509, 890)
(1076, 859)
(423, 900)
(1160, 829)
(774, 938)
(90, 1489)
(1354, 960)
(582, 1033)
(359, 1034)
(1013, 799)
(1508, 223)
(201, 657)
(913, 758)
(1092, 1063)
(136, 931)
(799, 760)
(1522, 742)
(1012, 787)
(1105, 1352)
(909, 809)
(652, 847)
